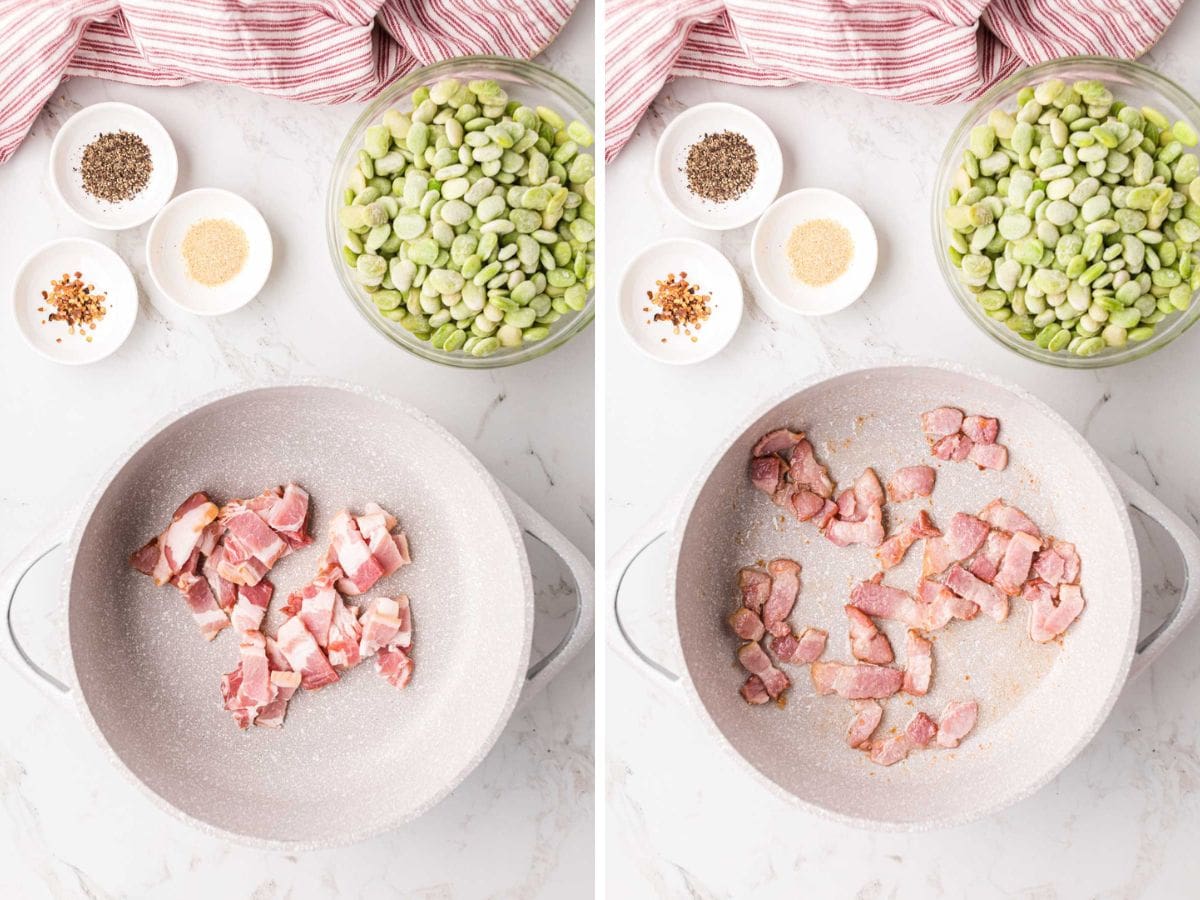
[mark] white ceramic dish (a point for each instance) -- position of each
(168, 270)
(99, 266)
(670, 160)
(67, 151)
(768, 253)
(706, 268)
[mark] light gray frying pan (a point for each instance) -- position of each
(1039, 704)
(355, 758)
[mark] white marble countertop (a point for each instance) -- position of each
(522, 824)
(683, 819)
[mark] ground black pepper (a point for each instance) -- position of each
(116, 166)
(721, 166)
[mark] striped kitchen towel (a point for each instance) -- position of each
(322, 51)
(915, 51)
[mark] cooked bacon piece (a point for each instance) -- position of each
(805, 504)
(754, 660)
(1000, 515)
(860, 682)
(989, 456)
(826, 515)
(304, 656)
(746, 624)
(987, 561)
(918, 664)
(964, 536)
(1018, 558)
(1047, 618)
(289, 516)
(801, 650)
(203, 605)
(251, 606)
(957, 720)
(807, 472)
(869, 531)
(993, 603)
(941, 421)
(386, 622)
(754, 691)
(847, 507)
(344, 635)
(785, 586)
(890, 750)
(921, 730)
(286, 683)
(766, 473)
(868, 491)
(981, 429)
(755, 587)
(778, 441)
(867, 715)
(867, 643)
(395, 666)
(911, 481)
(940, 605)
(891, 552)
(953, 447)
(1057, 564)
(885, 602)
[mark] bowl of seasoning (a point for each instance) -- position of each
(113, 165)
(74, 301)
(718, 165)
(680, 301)
(209, 251)
(814, 252)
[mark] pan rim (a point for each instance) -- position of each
(700, 481)
(83, 519)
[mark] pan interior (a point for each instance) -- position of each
(1037, 702)
(356, 755)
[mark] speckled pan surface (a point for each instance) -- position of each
(357, 757)
(1039, 704)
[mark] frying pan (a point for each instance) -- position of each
(355, 758)
(1039, 703)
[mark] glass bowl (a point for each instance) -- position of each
(1136, 85)
(527, 82)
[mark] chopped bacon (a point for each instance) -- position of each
(885, 602)
(867, 715)
(364, 548)
(993, 603)
(953, 447)
(989, 456)
(890, 750)
(868, 531)
(314, 604)
(1018, 558)
(754, 691)
(250, 536)
(918, 664)
(237, 566)
(203, 605)
(805, 504)
(395, 666)
(255, 689)
(289, 516)
(344, 635)
(891, 552)
(251, 606)
(778, 441)
(957, 720)
(225, 591)
(286, 683)
(1047, 618)
(755, 661)
(801, 650)
(868, 491)
(385, 623)
(981, 429)
(807, 472)
(941, 421)
(766, 473)
(826, 514)
(746, 624)
(785, 586)
(209, 538)
(911, 481)
(755, 587)
(940, 605)
(146, 558)
(304, 656)
(859, 682)
(165, 556)
(867, 642)
(1000, 515)
(987, 561)
(1057, 564)
(964, 536)
(921, 730)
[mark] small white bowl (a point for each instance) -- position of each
(706, 268)
(97, 265)
(768, 252)
(67, 151)
(168, 269)
(670, 165)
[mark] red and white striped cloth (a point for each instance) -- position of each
(916, 51)
(322, 51)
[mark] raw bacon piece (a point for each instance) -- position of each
(344, 634)
(918, 664)
(237, 565)
(755, 587)
(1000, 515)
(165, 556)
(993, 603)
(203, 605)
(1018, 558)
(251, 606)
(225, 591)
(987, 561)
(953, 448)
(867, 643)
(911, 481)
(860, 682)
(1048, 619)
(805, 504)
(778, 441)
(386, 622)
(807, 472)
(746, 624)
(940, 605)
(884, 602)
(146, 559)
(766, 473)
(250, 535)
(755, 661)
(1057, 564)
(209, 538)
(304, 656)
(255, 689)
(890, 750)
(801, 650)
(286, 683)
(754, 691)
(785, 586)
(921, 730)
(289, 516)
(957, 720)
(395, 666)
(867, 715)
(352, 554)
(941, 421)
(964, 536)
(891, 552)
(869, 531)
(988, 456)
(981, 429)
(314, 604)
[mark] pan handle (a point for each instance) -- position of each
(535, 525)
(1141, 500)
(618, 567)
(10, 582)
